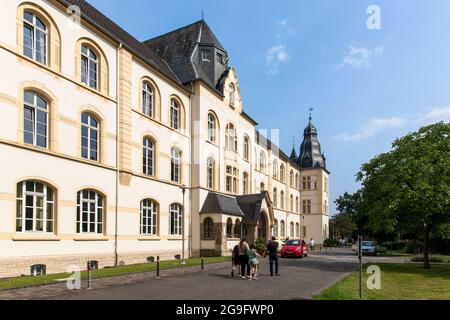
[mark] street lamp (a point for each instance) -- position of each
(183, 190)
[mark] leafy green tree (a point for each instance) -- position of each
(342, 225)
(407, 190)
(350, 205)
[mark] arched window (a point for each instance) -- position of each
(230, 138)
(291, 203)
(89, 137)
(89, 67)
(275, 228)
(210, 171)
(212, 127)
(282, 173)
(35, 210)
(229, 228)
(291, 233)
(35, 38)
(149, 217)
(245, 183)
(275, 197)
(291, 178)
(176, 219)
(237, 229)
(148, 157)
(297, 181)
(36, 116)
(174, 114)
(262, 187)
(297, 205)
(175, 172)
(275, 169)
(208, 228)
(232, 94)
(246, 148)
(282, 229)
(147, 99)
(297, 230)
(282, 199)
(90, 213)
(262, 162)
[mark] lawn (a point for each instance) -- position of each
(27, 281)
(398, 282)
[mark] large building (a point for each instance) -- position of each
(116, 150)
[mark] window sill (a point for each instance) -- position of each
(91, 238)
(149, 238)
(172, 237)
(31, 237)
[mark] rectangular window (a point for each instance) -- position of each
(306, 206)
(206, 55)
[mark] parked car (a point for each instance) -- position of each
(369, 248)
(294, 248)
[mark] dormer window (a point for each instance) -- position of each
(206, 55)
(220, 58)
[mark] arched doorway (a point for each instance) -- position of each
(262, 226)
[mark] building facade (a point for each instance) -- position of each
(117, 150)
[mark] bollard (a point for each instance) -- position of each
(202, 265)
(157, 267)
(89, 275)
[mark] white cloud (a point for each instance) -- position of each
(283, 23)
(436, 114)
(275, 56)
(373, 127)
(360, 57)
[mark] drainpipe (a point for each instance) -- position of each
(190, 166)
(116, 256)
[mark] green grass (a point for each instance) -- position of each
(395, 253)
(28, 281)
(398, 282)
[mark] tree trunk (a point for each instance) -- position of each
(426, 259)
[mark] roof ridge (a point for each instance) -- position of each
(173, 31)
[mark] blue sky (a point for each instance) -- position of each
(367, 87)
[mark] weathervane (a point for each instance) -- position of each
(310, 113)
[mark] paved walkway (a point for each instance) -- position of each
(300, 279)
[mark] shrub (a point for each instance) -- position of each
(331, 243)
(260, 245)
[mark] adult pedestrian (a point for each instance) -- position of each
(243, 258)
(272, 252)
(311, 244)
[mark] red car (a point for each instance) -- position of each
(294, 248)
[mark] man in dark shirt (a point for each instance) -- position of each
(272, 251)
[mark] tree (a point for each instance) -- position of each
(407, 189)
(342, 225)
(350, 205)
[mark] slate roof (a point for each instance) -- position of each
(220, 203)
(177, 47)
(118, 34)
(251, 205)
(310, 151)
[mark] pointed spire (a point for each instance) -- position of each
(293, 153)
(310, 151)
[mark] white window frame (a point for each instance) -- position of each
(174, 114)
(90, 128)
(210, 173)
(175, 219)
(98, 212)
(149, 210)
(45, 203)
(211, 127)
(33, 26)
(89, 61)
(34, 108)
(148, 157)
(147, 99)
(175, 166)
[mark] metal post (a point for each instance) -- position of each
(360, 265)
(183, 189)
(202, 265)
(89, 275)
(157, 267)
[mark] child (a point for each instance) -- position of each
(253, 261)
(235, 260)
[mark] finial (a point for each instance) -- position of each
(310, 113)
(293, 141)
(203, 15)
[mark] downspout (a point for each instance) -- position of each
(116, 256)
(190, 173)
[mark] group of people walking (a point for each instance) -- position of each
(245, 259)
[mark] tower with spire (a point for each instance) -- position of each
(311, 155)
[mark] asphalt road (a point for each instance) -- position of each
(299, 279)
